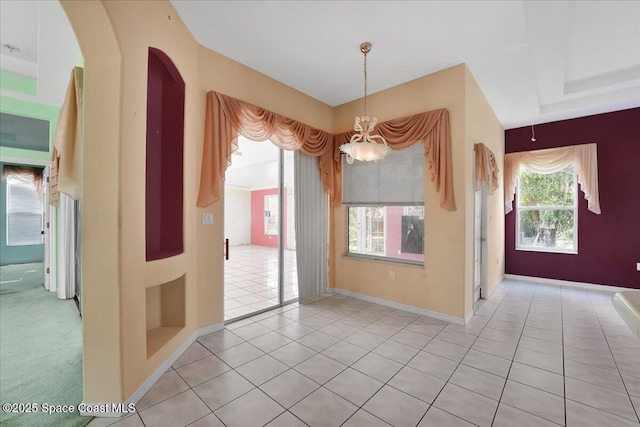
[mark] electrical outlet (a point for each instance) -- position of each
(207, 218)
(638, 266)
(392, 275)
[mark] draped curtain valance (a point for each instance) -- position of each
(430, 128)
(551, 161)
(27, 174)
(486, 169)
(68, 133)
(226, 118)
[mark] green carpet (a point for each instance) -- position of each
(40, 353)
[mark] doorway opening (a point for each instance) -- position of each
(22, 200)
(260, 270)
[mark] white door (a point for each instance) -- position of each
(479, 245)
(49, 231)
(46, 229)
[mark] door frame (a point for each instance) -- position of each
(49, 217)
(281, 242)
(483, 244)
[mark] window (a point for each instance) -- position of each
(271, 215)
(394, 232)
(547, 211)
(386, 206)
(24, 213)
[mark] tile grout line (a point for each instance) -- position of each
(613, 357)
(460, 363)
(514, 354)
(564, 368)
(509, 291)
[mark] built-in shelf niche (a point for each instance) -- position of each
(165, 306)
(164, 164)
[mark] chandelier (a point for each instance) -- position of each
(363, 146)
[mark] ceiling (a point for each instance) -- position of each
(255, 166)
(48, 47)
(536, 61)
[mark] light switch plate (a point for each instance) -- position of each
(638, 266)
(207, 218)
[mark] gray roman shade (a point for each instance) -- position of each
(396, 179)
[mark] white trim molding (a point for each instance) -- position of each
(557, 282)
(399, 306)
(25, 161)
(117, 410)
(495, 286)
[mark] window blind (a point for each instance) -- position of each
(24, 214)
(396, 179)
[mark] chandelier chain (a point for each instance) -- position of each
(365, 83)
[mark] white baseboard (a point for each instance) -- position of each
(409, 308)
(210, 329)
(495, 286)
(119, 410)
(468, 317)
(557, 282)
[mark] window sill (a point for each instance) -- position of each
(549, 250)
(385, 260)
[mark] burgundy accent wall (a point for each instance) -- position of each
(164, 158)
(608, 244)
(258, 237)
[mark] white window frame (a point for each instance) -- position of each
(361, 241)
(267, 219)
(573, 207)
(11, 181)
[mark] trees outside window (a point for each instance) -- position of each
(547, 211)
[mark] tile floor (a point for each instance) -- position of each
(251, 279)
(533, 355)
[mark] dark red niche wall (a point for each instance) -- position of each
(164, 163)
(608, 244)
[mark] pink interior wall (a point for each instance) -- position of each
(393, 229)
(258, 237)
(608, 244)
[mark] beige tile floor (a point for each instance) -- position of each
(533, 355)
(251, 279)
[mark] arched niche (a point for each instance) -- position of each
(164, 158)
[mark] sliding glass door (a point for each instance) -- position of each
(260, 272)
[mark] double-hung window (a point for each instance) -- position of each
(547, 211)
(385, 207)
(24, 213)
(271, 214)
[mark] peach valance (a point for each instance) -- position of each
(226, 118)
(552, 160)
(68, 132)
(486, 169)
(27, 174)
(432, 128)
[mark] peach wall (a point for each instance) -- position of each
(114, 37)
(482, 125)
(101, 324)
(439, 285)
(444, 284)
